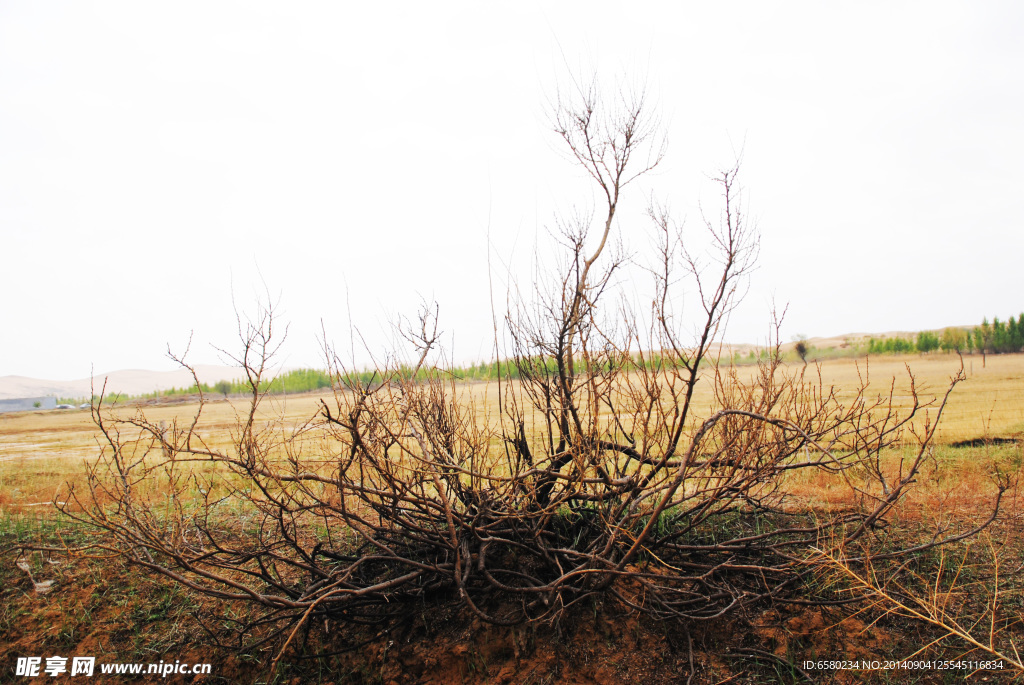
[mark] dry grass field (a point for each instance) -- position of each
(96, 606)
(40, 451)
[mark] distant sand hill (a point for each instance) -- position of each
(130, 381)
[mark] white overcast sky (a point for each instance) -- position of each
(156, 157)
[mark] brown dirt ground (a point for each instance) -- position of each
(101, 608)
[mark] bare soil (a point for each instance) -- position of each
(101, 608)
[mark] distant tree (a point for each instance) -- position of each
(223, 387)
(983, 339)
(927, 342)
(998, 341)
(955, 340)
(1013, 337)
(801, 349)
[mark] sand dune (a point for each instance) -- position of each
(129, 381)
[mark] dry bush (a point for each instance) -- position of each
(595, 477)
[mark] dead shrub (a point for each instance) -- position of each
(595, 476)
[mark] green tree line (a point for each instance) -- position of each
(997, 337)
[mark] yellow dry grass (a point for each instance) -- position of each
(990, 403)
(40, 451)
